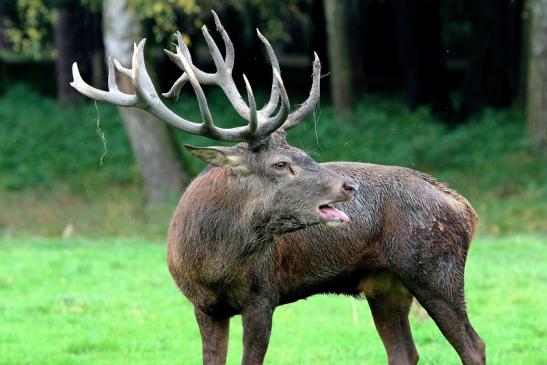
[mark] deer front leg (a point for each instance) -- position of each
(257, 326)
(214, 337)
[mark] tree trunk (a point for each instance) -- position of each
(91, 23)
(3, 22)
(418, 32)
(537, 74)
(339, 55)
(3, 44)
(63, 34)
(153, 146)
(520, 95)
(492, 76)
(355, 11)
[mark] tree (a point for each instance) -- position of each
(153, 146)
(537, 73)
(339, 58)
(25, 29)
(45, 30)
(418, 32)
(64, 37)
(492, 76)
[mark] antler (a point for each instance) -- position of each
(260, 122)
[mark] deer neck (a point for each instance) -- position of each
(230, 214)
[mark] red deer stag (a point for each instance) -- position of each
(251, 232)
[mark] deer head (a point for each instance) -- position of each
(294, 190)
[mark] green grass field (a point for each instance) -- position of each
(113, 302)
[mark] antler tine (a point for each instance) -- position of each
(113, 96)
(202, 101)
(268, 109)
(203, 77)
(229, 60)
(253, 121)
(126, 71)
(272, 124)
(223, 77)
(183, 47)
(174, 91)
(228, 45)
(111, 75)
(215, 52)
(307, 107)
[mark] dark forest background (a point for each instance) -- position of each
(456, 56)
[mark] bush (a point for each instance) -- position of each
(43, 142)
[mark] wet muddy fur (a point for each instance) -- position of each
(231, 252)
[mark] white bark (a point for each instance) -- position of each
(121, 29)
(537, 74)
(153, 147)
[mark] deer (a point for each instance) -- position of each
(265, 225)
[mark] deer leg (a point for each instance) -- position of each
(214, 337)
(257, 326)
(390, 314)
(449, 313)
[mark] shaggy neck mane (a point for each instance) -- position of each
(223, 209)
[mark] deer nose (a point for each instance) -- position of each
(349, 188)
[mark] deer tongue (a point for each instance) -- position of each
(332, 213)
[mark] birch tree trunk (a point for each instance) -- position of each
(537, 74)
(339, 55)
(153, 146)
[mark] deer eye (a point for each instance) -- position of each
(280, 165)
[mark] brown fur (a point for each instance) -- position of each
(231, 252)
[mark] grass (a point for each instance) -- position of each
(112, 301)
(50, 171)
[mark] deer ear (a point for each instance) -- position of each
(220, 157)
(216, 156)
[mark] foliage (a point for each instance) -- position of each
(273, 17)
(113, 302)
(276, 18)
(46, 143)
(28, 31)
(163, 14)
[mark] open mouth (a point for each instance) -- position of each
(331, 216)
